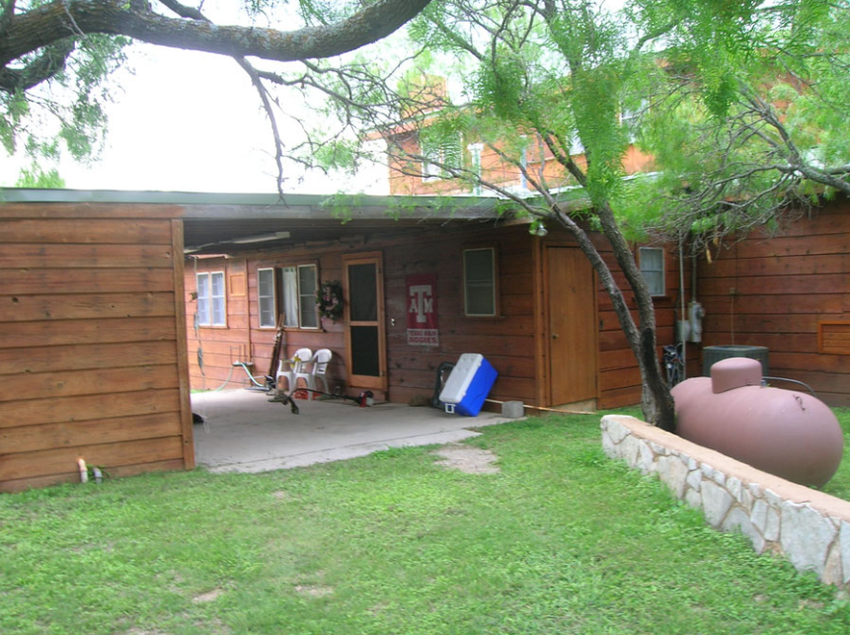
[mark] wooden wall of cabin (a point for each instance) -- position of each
(506, 341)
(92, 362)
(243, 339)
(782, 292)
(330, 335)
(220, 345)
(510, 341)
(619, 376)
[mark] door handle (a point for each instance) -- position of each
(554, 336)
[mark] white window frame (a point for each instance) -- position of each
(261, 298)
(438, 152)
(475, 150)
(576, 146)
(204, 282)
(299, 298)
(644, 270)
(629, 119)
(493, 282)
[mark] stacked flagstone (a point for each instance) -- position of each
(810, 528)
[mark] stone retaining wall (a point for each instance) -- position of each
(810, 528)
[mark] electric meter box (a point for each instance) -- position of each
(468, 385)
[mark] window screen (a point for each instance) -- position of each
(652, 268)
(265, 284)
(308, 284)
(211, 299)
(362, 284)
(218, 308)
(479, 277)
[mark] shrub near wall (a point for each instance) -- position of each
(810, 528)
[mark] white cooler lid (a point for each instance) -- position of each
(461, 376)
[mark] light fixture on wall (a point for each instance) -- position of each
(537, 228)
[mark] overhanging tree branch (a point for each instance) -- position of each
(50, 61)
(51, 22)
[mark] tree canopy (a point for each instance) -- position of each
(738, 109)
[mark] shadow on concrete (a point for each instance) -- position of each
(244, 432)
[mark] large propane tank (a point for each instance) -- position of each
(783, 432)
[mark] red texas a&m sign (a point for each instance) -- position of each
(422, 310)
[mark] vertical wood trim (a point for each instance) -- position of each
(597, 363)
(382, 325)
(376, 258)
(182, 345)
(540, 352)
(249, 353)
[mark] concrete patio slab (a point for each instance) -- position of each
(244, 432)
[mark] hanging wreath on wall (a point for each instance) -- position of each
(329, 299)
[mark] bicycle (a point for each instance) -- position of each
(674, 364)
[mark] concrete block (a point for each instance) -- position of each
(513, 409)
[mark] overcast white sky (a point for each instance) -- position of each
(189, 121)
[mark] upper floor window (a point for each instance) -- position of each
(651, 262)
(299, 285)
(630, 119)
(211, 299)
(479, 282)
(267, 300)
(439, 152)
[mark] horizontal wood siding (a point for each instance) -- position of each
(619, 382)
(90, 352)
(779, 291)
(509, 341)
(243, 339)
(221, 346)
(506, 341)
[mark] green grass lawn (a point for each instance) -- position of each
(562, 540)
(839, 485)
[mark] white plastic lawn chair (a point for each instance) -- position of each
(317, 370)
(290, 368)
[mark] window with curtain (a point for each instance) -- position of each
(265, 291)
(299, 285)
(211, 299)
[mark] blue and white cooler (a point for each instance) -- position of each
(468, 385)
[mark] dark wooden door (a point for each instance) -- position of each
(571, 325)
(364, 313)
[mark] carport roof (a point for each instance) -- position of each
(213, 221)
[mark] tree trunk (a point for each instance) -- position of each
(656, 402)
